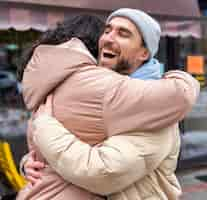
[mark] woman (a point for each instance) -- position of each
(88, 29)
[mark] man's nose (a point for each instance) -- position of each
(110, 37)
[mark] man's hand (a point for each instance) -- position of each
(32, 169)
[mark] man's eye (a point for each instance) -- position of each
(106, 31)
(124, 34)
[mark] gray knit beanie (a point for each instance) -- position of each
(148, 27)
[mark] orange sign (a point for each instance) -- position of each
(195, 64)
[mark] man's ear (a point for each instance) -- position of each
(145, 55)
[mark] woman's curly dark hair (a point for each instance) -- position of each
(87, 28)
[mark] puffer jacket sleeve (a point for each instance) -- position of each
(30, 147)
(132, 104)
(103, 169)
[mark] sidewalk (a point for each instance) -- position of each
(194, 184)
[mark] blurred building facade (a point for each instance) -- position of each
(183, 28)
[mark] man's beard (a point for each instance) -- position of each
(122, 67)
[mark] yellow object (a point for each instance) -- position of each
(201, 79)
(8, 167)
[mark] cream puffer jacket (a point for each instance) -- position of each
(96, 103)
(136, 165)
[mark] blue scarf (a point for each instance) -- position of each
(150, 70)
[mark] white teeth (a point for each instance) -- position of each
(109, 53)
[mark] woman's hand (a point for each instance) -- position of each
(32, 169)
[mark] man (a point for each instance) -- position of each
(100, 169)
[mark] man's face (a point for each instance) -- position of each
(121, 43)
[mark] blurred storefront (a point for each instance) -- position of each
(178, 19)
(183, 28)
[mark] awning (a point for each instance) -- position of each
(166, 7)
(23, 18)
(33, 14)
(183, 28)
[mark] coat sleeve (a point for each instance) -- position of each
(29, 144)
(103, 169)
(133, 104)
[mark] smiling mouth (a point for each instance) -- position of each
(108, 55)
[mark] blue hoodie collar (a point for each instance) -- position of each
(150, 70)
